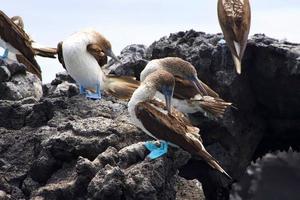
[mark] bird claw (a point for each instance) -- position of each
(90, 95)
(155, 151)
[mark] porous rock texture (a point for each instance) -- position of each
(65, 146)
(68, 147)
(274, 176)
(17, 84)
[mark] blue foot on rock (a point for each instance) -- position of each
(156, 152)
(96, 95)
(5, 55)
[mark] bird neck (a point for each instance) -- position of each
(144, 93)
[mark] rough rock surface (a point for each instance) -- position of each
(17, 84)
(75, 148)
(274, 176)
(133, 58)
(64, 146)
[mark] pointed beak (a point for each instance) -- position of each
(168, 92)
(168, 103)
(199, 86)
(111, 54)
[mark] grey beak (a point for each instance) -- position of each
(199, 86)
(111, 54)
(168, 103)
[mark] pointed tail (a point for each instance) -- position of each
(44, 51)
(121, 87)
(213, 107)
(210, 160)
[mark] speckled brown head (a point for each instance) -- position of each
(181, 68)
(178, 67)
(100, 45)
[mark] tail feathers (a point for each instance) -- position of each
(211, 160)
(44, 51)
(121, 87)
(214, 107)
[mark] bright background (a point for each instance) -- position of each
(126, 22)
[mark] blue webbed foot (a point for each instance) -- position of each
(156, 152)
(93, 95)
(96, 95)
(89, 94)
(5, 55)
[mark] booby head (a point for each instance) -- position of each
(177, 67)
(100, 45)
(18, 21)
(159, 81)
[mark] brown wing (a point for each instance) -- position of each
(235, 18)
(98, 53)
(169, 128)
(121, 87)
(165, 127)
(185, 90)
(15, 36)
(180, 117)
(60, 55)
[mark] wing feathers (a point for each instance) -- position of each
(121, 87)
(170, 129)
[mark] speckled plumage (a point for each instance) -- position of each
(235, 18)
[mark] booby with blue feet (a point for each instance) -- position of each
(164, 123)
(190, 94)
(82, 55)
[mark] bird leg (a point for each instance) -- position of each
(96, 95)
(82, 90)
(155, 151)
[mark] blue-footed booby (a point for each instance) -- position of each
(235, 18)
(164, 123)
(190, 94)
(82, 55)
(18, 46)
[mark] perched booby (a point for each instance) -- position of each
(18, 45)
(163, 123)
(82, 55)
(190, 94)
(235, 18)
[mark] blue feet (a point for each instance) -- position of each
(5, 55)
(82, 90)
(89, 94)
(156, 152)
(222, 41)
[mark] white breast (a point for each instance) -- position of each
(184, 106)
(80, 64)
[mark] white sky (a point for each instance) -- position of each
(126, 22)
